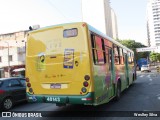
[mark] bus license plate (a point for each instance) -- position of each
(56, 86)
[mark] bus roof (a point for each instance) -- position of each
(91, 29)
(108, 38)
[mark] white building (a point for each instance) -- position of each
(12, 54)
(153, 22)
(114, 24)
(98, 14)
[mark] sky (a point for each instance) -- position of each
(18, 15)
(131, 19)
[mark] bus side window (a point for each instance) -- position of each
(98, 52)
(132, 56)
(94, 53)
(129, 58)
(104, 51)
(116, 55)
(93, 41)
(110, 59)
(107, 52)
(121, 56)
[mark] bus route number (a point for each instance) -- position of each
(53, 99)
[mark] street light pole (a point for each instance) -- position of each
(8, 60)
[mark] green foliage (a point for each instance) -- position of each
(154, 57)
(131, 44)
(158, 57)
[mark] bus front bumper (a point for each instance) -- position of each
(62, 99)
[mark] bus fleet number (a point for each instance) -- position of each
(53, 99)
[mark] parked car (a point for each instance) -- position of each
(157, 66)
(145, 68)
(12, 90)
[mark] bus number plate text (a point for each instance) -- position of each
(56, 86)
(53, 99)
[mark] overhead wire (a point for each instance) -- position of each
(52, 5)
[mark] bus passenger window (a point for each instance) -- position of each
(93, 41)
(98, 53)
(110, 59)
(116, 56)
(100, 57)
(129, 58)
(121, 56)
(132, 57)
(95, 57)
(107, 55)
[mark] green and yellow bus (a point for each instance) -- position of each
(76, 64)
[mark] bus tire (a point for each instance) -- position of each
(118, 91)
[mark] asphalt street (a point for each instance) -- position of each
(142, 98)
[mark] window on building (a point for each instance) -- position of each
(158, 44)
(10, 58)
(157, 25)
(0, 59)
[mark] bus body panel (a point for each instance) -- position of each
(104, 76)
(102, 85)
(58, 65)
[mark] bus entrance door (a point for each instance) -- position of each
(110, 71)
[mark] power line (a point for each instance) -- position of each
(52, 5)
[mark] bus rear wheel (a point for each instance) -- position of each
(118, 91)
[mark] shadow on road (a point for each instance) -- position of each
(104, 110)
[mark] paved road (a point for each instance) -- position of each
(142, 96)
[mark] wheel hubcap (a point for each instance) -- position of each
(7, 104)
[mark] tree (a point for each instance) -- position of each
(155, 57)
(158, 56)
